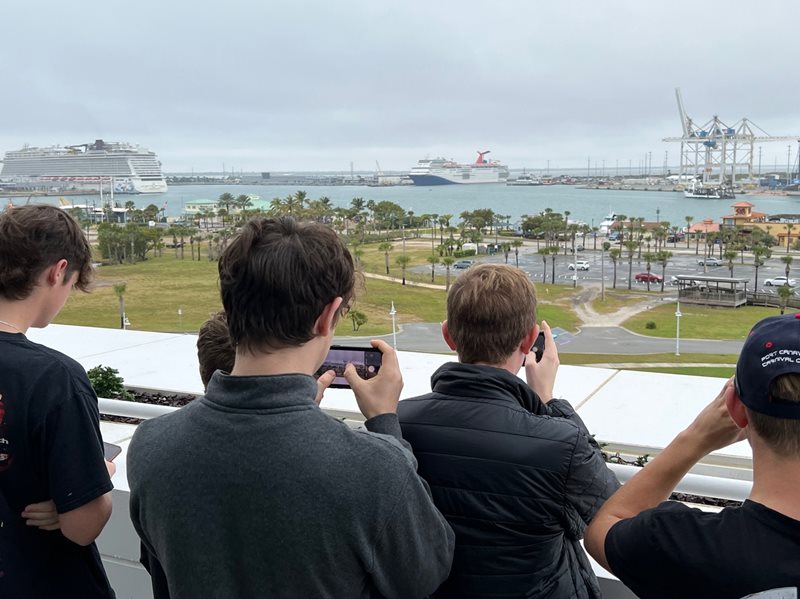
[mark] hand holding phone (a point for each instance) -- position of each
(379, 394)
(366, 361)
(538, 347)
(541, 372)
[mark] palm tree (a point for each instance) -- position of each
(784, 293)
(543, 252)
(789, 228)
(760, 255)
(631, 247)
(662, 258)
(119, 291)
(553, 249)
(787, 260)
(385, 247)
(615, 255)
(649, 257)
(517, 243)
(402, 261)
(730, 256)
(433, 260)
(689, 220)
(448, 262)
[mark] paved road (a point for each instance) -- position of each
(426, 337)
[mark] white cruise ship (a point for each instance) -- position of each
(118, 165)
(440, 171)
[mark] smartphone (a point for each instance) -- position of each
(367, 361)
(110, 451)
(538, 346)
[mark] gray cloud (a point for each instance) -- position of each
(315, 85)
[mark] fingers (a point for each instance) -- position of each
(549, 340)
(323, 382)
(111, 467)
(42, 515)
(351, 376)
(541, 376)
(379, 394)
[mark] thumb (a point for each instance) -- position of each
(351, 376)
(323, 382)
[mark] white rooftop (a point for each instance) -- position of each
(638, 411)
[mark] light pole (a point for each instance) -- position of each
(574, 272)
(678, 329)
(393, 313)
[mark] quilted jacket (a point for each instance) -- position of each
(517, 479)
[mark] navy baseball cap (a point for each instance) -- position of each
(771, 349)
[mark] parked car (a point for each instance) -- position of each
(579, 265)
(710, 262)
(644, 277)
(779, 281)
(463, 264)
(579, 247)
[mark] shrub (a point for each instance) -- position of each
(107, 383)
(650, 324)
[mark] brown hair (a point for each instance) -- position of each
(277, 276)
(214, 348)
(35, 237)
(782, 435)
(490, 308)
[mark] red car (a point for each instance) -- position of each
(644, 277)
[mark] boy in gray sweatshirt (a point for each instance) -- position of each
(252, 491)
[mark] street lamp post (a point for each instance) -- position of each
(574, 272)
(393, 313)
(678, 329)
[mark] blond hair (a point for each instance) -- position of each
(490, 309)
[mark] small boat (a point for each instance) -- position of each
(525, 179)
(700, 191)
(608, 221)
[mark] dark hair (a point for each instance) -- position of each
(490, 309)
(277, 276)
(214, 348)
(33, 238)
(782, 435)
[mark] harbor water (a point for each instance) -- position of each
(587, 205)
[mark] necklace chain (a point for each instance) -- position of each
(8, 324)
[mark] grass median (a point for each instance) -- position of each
(699, 322)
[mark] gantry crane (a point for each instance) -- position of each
(716, 151)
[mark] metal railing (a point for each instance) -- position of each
(692, 484)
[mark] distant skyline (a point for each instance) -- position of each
(316, 85)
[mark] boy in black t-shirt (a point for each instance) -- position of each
(666, 549)
(55, 487)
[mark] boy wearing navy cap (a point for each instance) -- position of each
(668, 549)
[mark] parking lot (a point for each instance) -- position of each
(683, 262)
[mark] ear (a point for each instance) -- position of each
(56, 273)
(736, 409)
(447, 338)
(528, 340)
(326, 322)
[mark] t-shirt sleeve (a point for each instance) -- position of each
(638, 553)
(73, 446)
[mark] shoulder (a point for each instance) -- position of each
(655, 529)
(51, 365)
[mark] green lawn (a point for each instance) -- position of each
(699, 322)
(159, 287)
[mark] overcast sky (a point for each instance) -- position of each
(280, 85)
